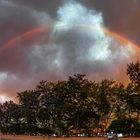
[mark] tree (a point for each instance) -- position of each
(60, 91)
(73, 106)
(1, 117)
(79, 104)
(46, 114)
(133, 71)
(120, 104)
(12, 118)
(125, 126)
(105, 101)
(29, 102)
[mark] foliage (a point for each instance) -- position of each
(125, 126)
(75, 106)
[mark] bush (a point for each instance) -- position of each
(126, 126)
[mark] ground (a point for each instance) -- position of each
(21, 137)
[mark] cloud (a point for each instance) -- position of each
(75, 43)
(79, 44)
(120, 16)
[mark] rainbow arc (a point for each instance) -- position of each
(44, 29)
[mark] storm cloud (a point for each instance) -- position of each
(75, 42)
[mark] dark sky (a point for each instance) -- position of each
(53, 39)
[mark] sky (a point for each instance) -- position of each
(53, 39)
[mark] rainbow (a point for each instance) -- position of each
(43, 29)
(123, 40)
(24, 36)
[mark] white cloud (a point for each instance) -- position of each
(79, 44)
(3, 76)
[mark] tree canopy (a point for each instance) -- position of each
(74, 106)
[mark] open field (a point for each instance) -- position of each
(11, 137)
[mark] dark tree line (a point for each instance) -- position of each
(75, 106)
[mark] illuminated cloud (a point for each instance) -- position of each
(4, 98)
(75, 43)
(79, 44)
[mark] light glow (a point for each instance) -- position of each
(4, 98)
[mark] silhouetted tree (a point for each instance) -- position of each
(133, 99)
(29, 102)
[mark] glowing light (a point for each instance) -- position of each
(4, 98)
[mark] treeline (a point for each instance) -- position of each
(75, 106)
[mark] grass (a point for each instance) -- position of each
(23, 137)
